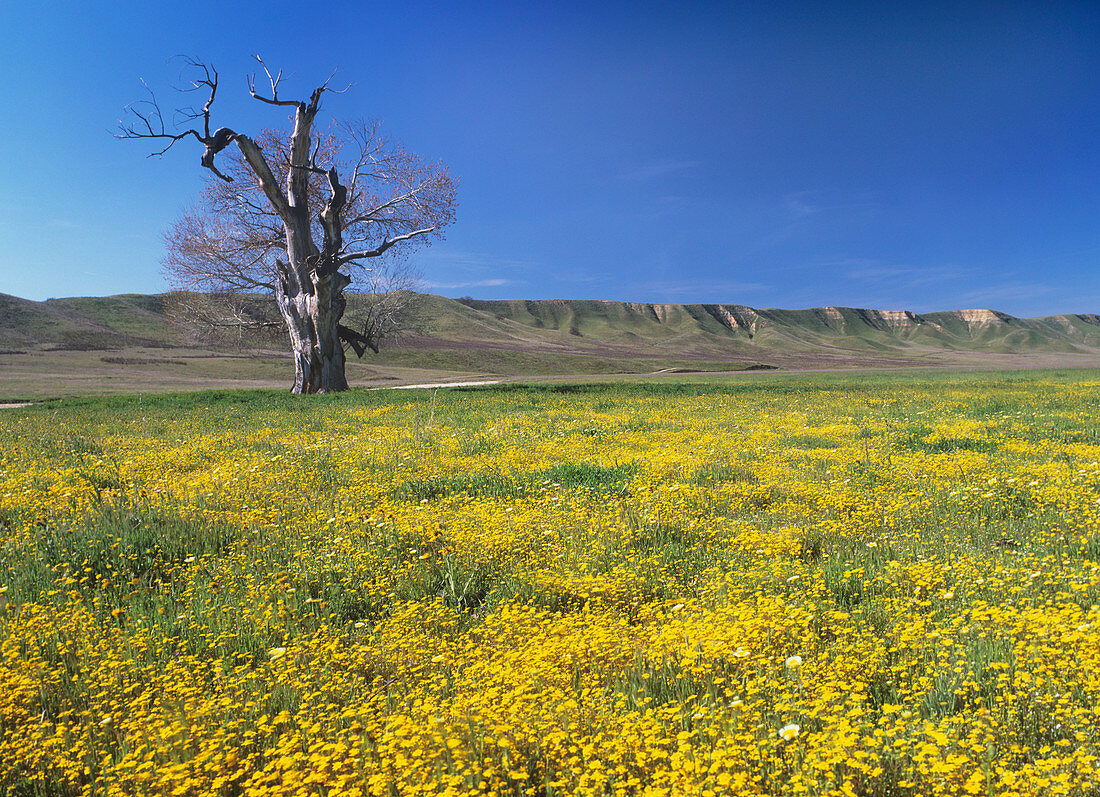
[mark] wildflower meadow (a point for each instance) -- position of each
(823, 585)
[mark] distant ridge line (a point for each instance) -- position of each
(600, 335)
(748, 321)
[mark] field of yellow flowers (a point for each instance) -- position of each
(829, 586)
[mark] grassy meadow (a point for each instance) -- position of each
(824, 585)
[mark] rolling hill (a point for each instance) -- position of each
(511, 338)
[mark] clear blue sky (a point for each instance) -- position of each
(910, 155)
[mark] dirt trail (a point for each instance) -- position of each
(441, 384)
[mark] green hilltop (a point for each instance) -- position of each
(516, 337)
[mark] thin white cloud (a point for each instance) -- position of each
(798, 204)
(717, 289)
(451, 270)
(475, 262)
(801, 204)
(1008, 292)
(586, 278)
(898, 274)
(489, 283)
(659, 168)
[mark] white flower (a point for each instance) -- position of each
(788, 732)
(276, 653)
(794, 662)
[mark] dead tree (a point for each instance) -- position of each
(279, 219)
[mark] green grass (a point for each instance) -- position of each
(568, 476)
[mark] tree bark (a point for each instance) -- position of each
(328, 308)
(310, 290)
(294, 308)
(312, 312)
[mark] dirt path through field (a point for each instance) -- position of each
(14, 406)
(442, 384)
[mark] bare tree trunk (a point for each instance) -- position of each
(311, 288)
(329, 305)
(328, 294)
(312, 309)
(293, 304)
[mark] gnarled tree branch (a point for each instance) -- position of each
(382, 247)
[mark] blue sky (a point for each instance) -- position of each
(924, 156)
